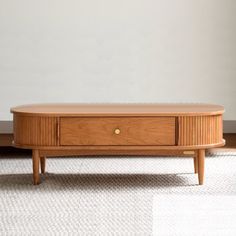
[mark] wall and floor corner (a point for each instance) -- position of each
(118, 51)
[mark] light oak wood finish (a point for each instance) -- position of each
(118, 129)
(195, 161)
(201, 164)
(36, 160)
(105, 152)
(200, 130)
(42, 164)
(35, 131)
(230, 144)
(78, 109)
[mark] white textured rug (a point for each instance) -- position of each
(101, 196)
(184, 215)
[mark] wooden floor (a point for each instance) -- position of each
(6, 140)
(230, 144)
(230, 140)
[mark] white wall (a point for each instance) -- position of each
(117, 51)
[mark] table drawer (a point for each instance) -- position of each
(117, 131)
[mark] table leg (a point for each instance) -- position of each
(35, 158)
(195, 159)
(42, 164)
(201, 163)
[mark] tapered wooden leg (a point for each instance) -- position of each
(42, 164)
(35, 158)
(201, 163)
(195, 159)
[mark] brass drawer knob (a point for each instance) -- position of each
(117, 131)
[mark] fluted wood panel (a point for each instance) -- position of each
(34, 130)
(200, 130)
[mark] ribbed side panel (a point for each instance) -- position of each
(200, 130)
(35, 130)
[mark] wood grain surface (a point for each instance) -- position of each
(35, 130)
(133, 131)
(200, 130)
(153, 109)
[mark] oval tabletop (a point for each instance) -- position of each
(129, 109)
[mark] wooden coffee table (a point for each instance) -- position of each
(117, 129)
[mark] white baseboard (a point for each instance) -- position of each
(6, 127)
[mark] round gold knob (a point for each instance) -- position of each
(117, 131)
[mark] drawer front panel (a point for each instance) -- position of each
(117, 131)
